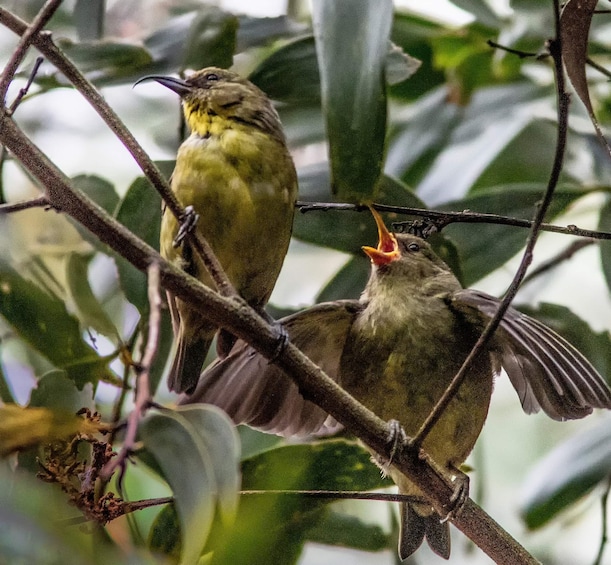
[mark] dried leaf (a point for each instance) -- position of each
(575, 23)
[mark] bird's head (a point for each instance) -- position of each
(212, 93)
(403, 254)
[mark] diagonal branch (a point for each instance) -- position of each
(555, 49)
(143, 390)
(246, 324)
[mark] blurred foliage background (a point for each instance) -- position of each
(473, 128)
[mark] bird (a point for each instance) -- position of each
(396, 349)
(236, 174)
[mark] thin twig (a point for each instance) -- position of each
(143, 391)
(598, 67)
(23, 91)
(444, 219)
(555, 49)
(339, 495)
(126, 508)
(604, 537)
(44, 43)
(519, 53)
(38, 202)
(27, 38)
(556, 260)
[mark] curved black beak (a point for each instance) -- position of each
(177, 85)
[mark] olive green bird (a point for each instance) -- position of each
(237, 174)
(396, 350)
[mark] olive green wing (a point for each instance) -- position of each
(547, 372)
(254, 391)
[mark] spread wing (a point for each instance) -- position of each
(253, 391)
(547, 372)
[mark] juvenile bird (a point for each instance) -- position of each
(396, 350)
(237, 174)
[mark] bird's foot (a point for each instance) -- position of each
(188, 221)
(459, 483)
(282, 339)
(397, 438)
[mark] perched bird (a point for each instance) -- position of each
(396, 350)
(237, 174)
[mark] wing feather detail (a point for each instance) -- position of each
(254, 391)
(547, 372)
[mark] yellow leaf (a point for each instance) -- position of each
(25, 427)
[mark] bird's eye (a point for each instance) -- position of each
(413, 247)
(212, 76)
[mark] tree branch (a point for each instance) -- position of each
(143, 390)
(557, 259)
(555, 49)
(246, 324)
(38, 202)
(443, 218)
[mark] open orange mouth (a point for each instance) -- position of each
(388, 248)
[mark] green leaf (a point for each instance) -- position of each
(55, 390)
(33, 528)
(348, 531)
(414, 34)
(322, 465)
(42, 321)
(290, 74)
(478, 256)
(345, 231)
(353, 89)
(87, 307)
(196, 450)
(417, 141)
(223, 447)
(140, 212)
(349, 281)
(105, 61)
(463, 150)
(211, 40)
(254, 442)
(103, 193)
(260, 32)
(198, 39)
(164, 348)
(164, 536)
(272, 528)
(566, 474)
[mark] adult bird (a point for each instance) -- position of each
(236, 173)
(396, 350)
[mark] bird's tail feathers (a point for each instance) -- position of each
(187, 364)
(415, 527)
